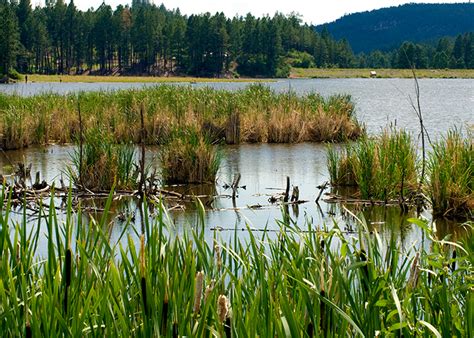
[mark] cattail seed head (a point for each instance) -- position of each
(144, 294)
(414, 272)
(322, 311)
(175, 330)
(217, 250)
(222, 308)
(18, 250)
(68, 267)
(142, 255)
(28, 333)
(228, 328)
(199, 282)
(164, 315)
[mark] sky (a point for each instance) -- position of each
(311, 11)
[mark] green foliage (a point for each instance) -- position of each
(300, 59)
(384, 168)
(298, 282)
(9, 37)
(13, 74)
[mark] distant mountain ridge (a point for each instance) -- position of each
(387, 28)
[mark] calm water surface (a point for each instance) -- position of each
(263, 170)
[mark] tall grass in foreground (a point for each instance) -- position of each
(189, 158)
(256, 112)
(382, 168)
(297, 284)
(102, 163)
(451, 175)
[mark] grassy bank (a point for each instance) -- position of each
(137, 79)
(299, 283)
(295, 73)
(253, 114)
(381, 73)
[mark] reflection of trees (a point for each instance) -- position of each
(451, 228)
(387, 220)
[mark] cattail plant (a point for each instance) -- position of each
(67, 277)
(143, 283)
(414, 272)
(198, 285)
(222, 308)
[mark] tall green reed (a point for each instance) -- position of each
(382, 168)
(451, 172)
(299, 282)
(103, 164)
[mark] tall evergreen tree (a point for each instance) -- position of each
(9, 37)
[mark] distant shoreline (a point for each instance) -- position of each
(340, 73)
(296, 73)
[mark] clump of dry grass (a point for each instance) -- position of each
(253, 114)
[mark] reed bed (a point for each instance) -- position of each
(253, 114)
(301, 282)
(451, 175)
(381, 168)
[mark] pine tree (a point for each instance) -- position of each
(9, 37)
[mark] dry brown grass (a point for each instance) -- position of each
(254, 114)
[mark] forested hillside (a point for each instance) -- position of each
(149, 39)
(145, 39)
(387, 28)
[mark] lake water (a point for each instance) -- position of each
(264, 167)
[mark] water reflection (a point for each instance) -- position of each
(263, 169)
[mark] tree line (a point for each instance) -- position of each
(147, 39)
(447, 52)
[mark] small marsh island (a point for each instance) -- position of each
(168, 174)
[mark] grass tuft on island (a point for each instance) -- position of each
(253, 114)
(301, 281)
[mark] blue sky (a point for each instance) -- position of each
(311, 11)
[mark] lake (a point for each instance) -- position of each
(264, 167)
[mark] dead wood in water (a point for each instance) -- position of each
(287, 191)
(334, 198)
(321, 188)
